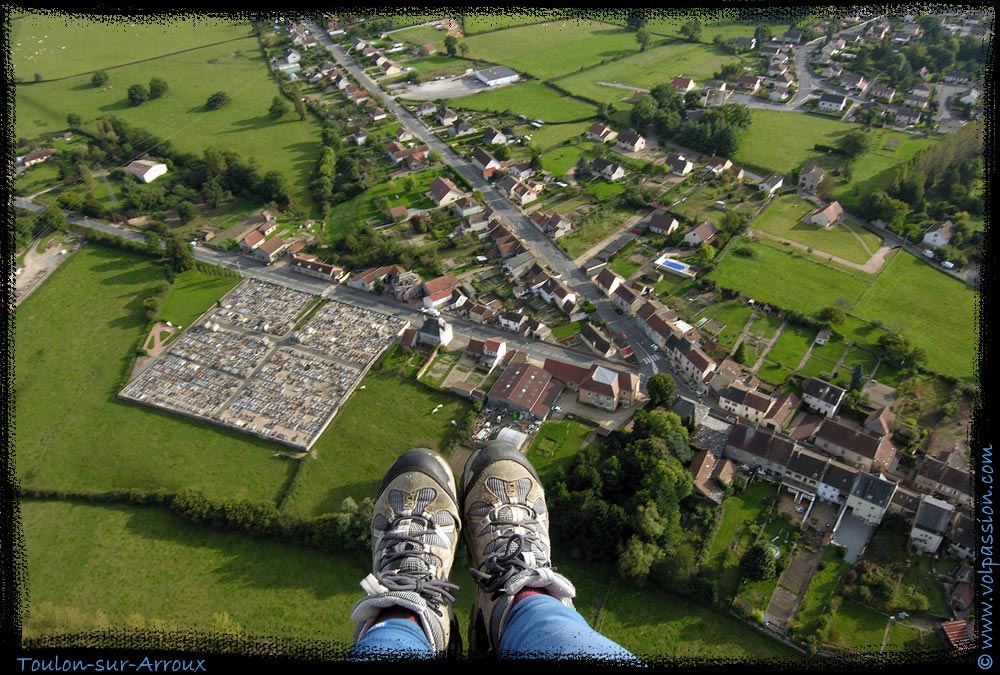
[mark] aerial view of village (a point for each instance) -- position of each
(716, 274)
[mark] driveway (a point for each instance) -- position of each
(451, 87)
(853, 534)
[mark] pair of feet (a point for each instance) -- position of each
(418, 517)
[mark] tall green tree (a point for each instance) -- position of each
(138, 94)
(99, 78)
(158, 88)
(278, 109)
(691, 30)
(451, 45)
(642, 37)
(757, 563)
(661, 388)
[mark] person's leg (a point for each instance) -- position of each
(524, 608)
(407, 608)
(541, 625)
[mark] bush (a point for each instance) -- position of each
(217, 100)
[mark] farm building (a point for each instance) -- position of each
(495, 77)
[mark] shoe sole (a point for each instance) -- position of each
(490, 453)
(427, 462)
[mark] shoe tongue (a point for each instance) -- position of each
(410, 565)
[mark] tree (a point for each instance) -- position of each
(217, 100)
(831, 315)
(706, 253)
(757, 563)
(691, 30)
(661, 388)
(278, 109)
(451, 45)
(99, 78)
(186, 211)
(138, 94)
(51, 219)
(857, 378)
(463, 48)
(74, 121)
(179, 256)
(637, 558)
(855, 143)
(762, 34)
(642, 37)
(636, 19)
(158, 88)
(740, 355)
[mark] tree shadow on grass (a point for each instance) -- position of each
(250, 123)
(123, 104)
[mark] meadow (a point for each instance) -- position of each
(935, 311)
(73, 342)
(60, 44)
(193, 294)
(237, 67)
(907, 295)
(114, 566)
(556, 443)
(530, 98)
(554, 48)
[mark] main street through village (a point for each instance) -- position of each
(541, 246)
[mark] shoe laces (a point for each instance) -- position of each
(404, 567)
(510, 549)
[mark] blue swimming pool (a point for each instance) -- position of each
(674, 265)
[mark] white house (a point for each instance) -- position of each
(146, 171)
(495, 77)
(940, 234)
(832, 102)
(772, 183)
(822, 396)
(828, 216)
(931, 524)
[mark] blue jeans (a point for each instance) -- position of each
(539, 627)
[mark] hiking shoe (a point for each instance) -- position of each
(415, 530)
(507, 533)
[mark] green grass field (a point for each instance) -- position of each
(791, 345)
(783, 217)
(664, 626)
(788, 279)
(58, 44)
(553, 48)
(556, 443)
(115, 566)
(858, 628)
(480, 22)
(358, 447)
(936, 312)
(562, 159)
(193, 294)
(530, 98)
(74, 338)
(551, 136)
(780, 141)
(360, 209)
(289, 146)
(592, 232)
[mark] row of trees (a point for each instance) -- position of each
(140, 93)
